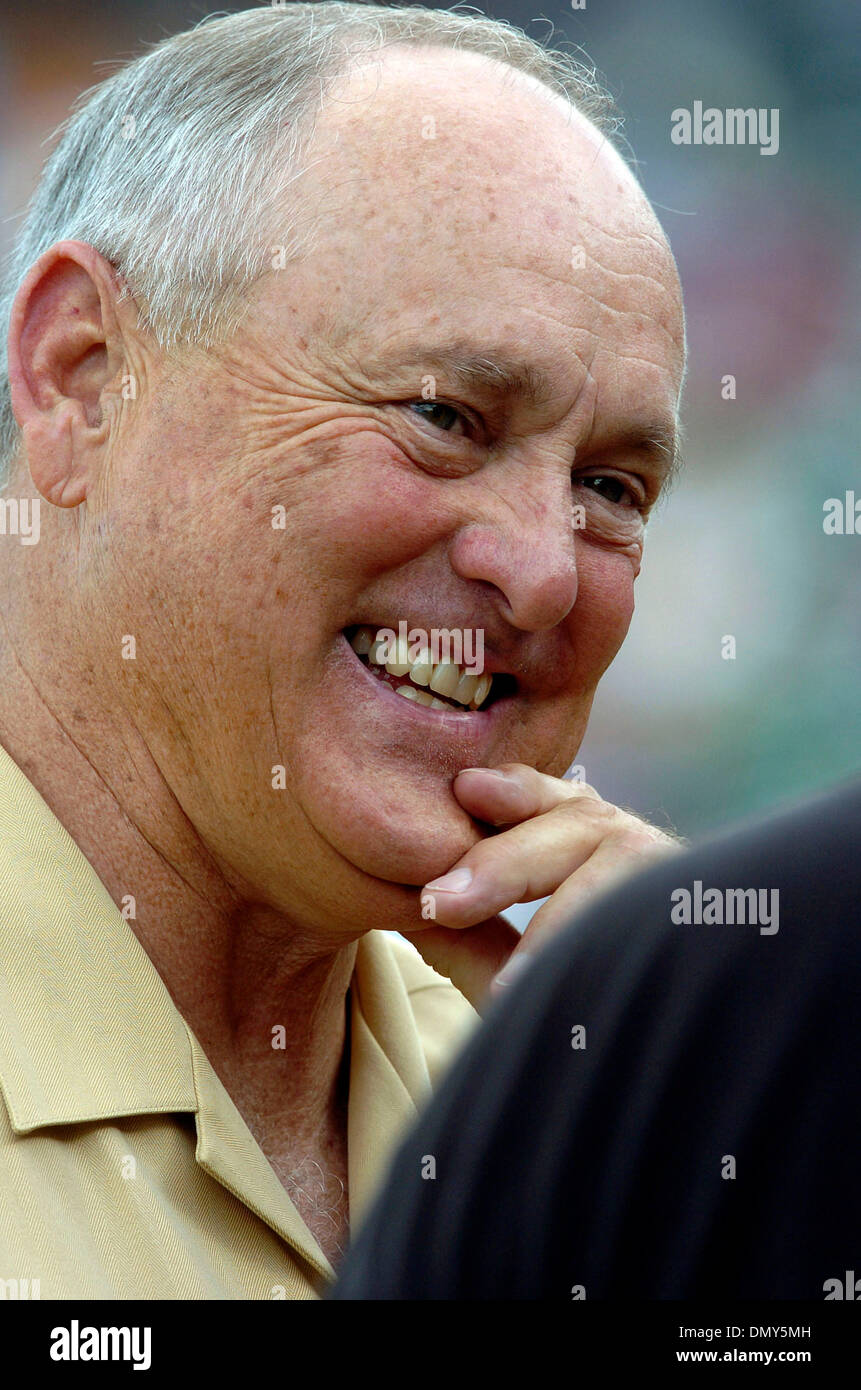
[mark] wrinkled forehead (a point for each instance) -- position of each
(459, 202)
(432, 130)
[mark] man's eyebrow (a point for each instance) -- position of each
(466, 368)
(510, 375)
(660, 442)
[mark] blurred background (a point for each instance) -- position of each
(770, 257)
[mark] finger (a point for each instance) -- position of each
(603, 870)
(513, 792)
(610, 864)
(525, 862)
(471, 959)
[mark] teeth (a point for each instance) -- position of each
(422, 670)
(481, 690)
(466, 688)
(445, 678)
(400, 664)
(421, 697)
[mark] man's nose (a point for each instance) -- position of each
(524, 546)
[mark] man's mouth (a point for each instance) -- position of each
(444, 685)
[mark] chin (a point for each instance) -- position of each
(406, 839)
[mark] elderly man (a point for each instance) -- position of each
(325, 319)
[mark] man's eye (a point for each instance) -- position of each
(613, 489)
(437, 413)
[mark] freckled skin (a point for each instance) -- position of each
(238, 624)
(371, 533)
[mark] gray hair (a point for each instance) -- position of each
(175, 167)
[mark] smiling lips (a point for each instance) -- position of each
(453, 687)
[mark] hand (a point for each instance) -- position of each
(564, 841)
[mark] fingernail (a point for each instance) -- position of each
(455, 882)
(512, 970)
(510, 777)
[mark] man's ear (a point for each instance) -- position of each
(63, 352)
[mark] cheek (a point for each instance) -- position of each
(605, 605)
(372, 509)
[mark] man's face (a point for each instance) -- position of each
(440, 241)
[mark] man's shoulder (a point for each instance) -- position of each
(444, 1018)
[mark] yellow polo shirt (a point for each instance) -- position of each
(126, 1171)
